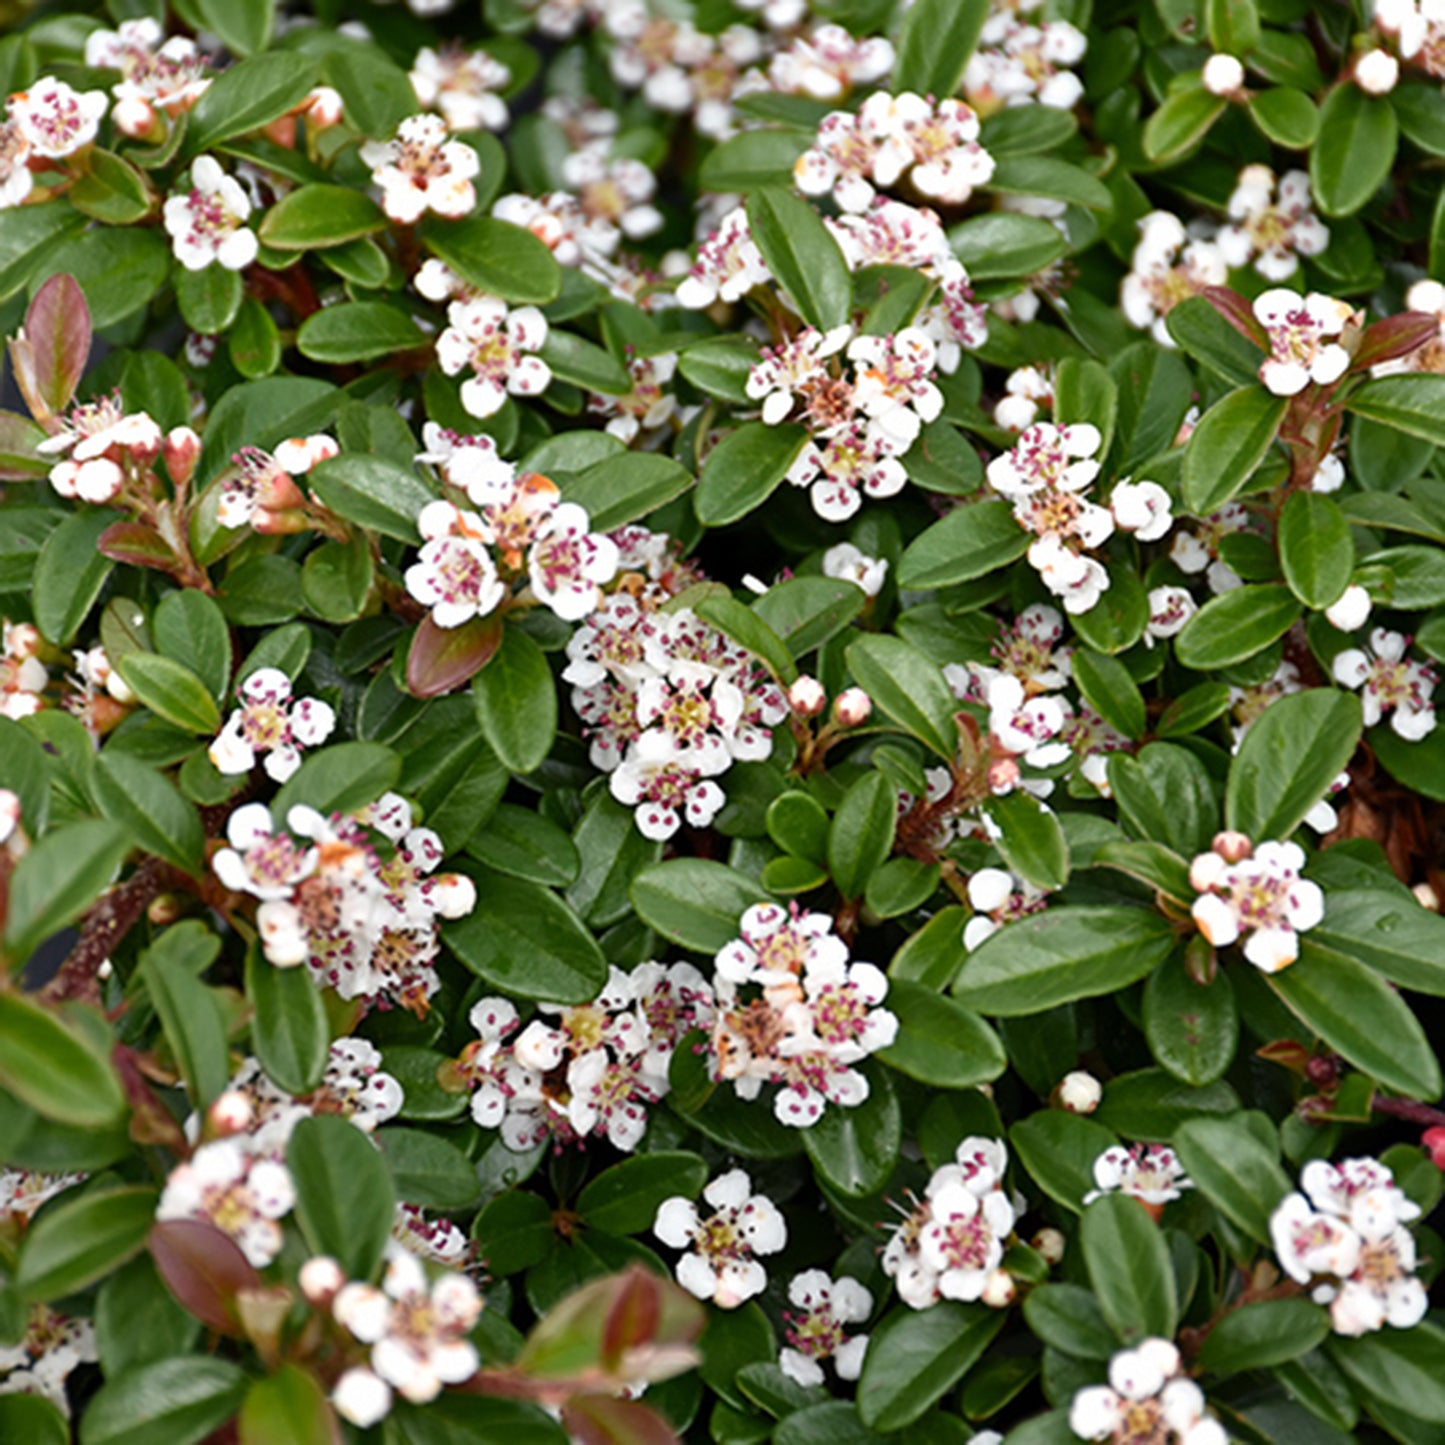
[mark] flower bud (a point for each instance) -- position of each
(232, 1113)
(1377, 72)
(1079, 1092)
(807, 698)
(1434, 1141)
(1352, 610)
(1049, 1244)
(323, 107)
(1223, 75)
(1000, 1290)
(1232, 847)
(453, 895)
(321, 1278)
(1003, 775)
(279, 524)
(181, 449)
(1427, 897)
(852, 708)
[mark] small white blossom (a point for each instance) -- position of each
(270, 722)
(816, 1327)
(497, 344)
(1222, 75)
(1300, 330)
(1390, 683)
(421, 170)
(721, 1262)
(241, 1195)
(1147, 1398)
(208, 222)
(847, 562)
(1273, 227)
(53, 120)
(1261, 895)
(1351, 610)
(1377, 72)
(1150, 1173)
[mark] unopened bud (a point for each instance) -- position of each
(1434, 1141)
(1232, 847)
(852, 708)
(164, 910)
(807, 698)
(232, 1113)
(1323, 1071)
(1352, 610)
(1000, 1290)
(323, 107)
(1377, 72)
(279, 524)
(1079, 1092)
(1003, 775)
(453, 895)
(1049, 1245)
(181, 449)
(321, 1278)
(1223, 75)
(1427, 897)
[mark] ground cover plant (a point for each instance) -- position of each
(718, 721)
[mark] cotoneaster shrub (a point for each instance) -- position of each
(719, 722)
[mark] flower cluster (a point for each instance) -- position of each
(588, 1069)
(951, 1245)
(241, 1193)
(159, 74)
(1148, 1397)
(259, 488)
(1255, 893)
(668, 704)
(463, 86)
(47, 122)
(792, 1010)
(363, 924)
(1345, 1238)
(934, 143)
(51, 1347)
(1168, 266)
(103, 447)
(721, 1262)
(828, 62)
(23, 677)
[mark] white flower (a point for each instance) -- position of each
(16, 180)
(816, 1332)
(461, 84)
(1261, 895)
(421, 170)
(1389, 683)
(53, 120)
(720, 1264)
(241, 1196)
(1151, 1173)
(567, 563)
(1351, 610)
(1299, 329)
(361, 1397)
(1169, 609)
(208, 222)
(1147, 1398)
(1080, 1092)
(496, 344)
(1223, 75)
(454, 573)
(1273, 228)
(847, 562)
(1142, 508)
(268, 721)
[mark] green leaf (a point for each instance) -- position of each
(189, 1012)
(344, 1196)
(744, 469)
(428, 1170)
(1052, 179)
(1085, 392)
(56, 881)
(524, 844)
(516, 702)
(620, 489)
(1031, 839)
(860, 836)
(754, 158)
(171, 691)
(1355, 149)
(1109, 688)
(339, 779)
(1192, 1028)
(526, 941)
(289, 1405)
(120, 271)
(798, 824)
(1179, 126)
(748, 630)
(374, 493)
(932, 955)
(916, 1356)
(1236, 625)
(454, 1417)
(1288, 759)
(1361, 1017)
(934, 45)
(312, 218)
(1388, 932)
(971, 541)
(1413, 403)
(80, 1241)
(179, 1400)
(1058, 1149)
(515, 1231)
(1234, 1170)
(806, 611)
(1228, 445)
(150, 807)
(1118, 619)
(1165, 794)
(1005, 244)
(719, 365)
(357, 331)
(833, 1423)
(1206, 336)
(1286, 116)
(376, 92)
(612, 853)
(575, 360)
(69, 573)
(33, 1419)
(1130, 1268)
(1257, 1336)
(855, 1149)
(209, 298)
(908, 688)
(29, 233)
(1316, 549)
(288, 1024)
(495, 256)
(939, 1042)
(1155, 391)
(244, 25)
(337, 577)
(900, 886)
(802, 255)
(1060, 955)
(1151, 1105)
(624, 1198)
(189, 628)
(1232, 25)
(1399, 1366)
(694, 902)
(248, 96)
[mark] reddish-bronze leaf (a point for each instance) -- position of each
(605, 1420)
(443, 658)
(50, 360)
(632, 1317)
(1395, 336)
(204, 1269)
(137, 544)
(1238, 312)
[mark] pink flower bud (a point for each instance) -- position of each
(1050, 1245)
(181, 449)
(1232, 847)
(321, 1278)
(807, 698)
(1000, 1290)
(852, 708)
(232, 1113)
(1434, 1141)
(1079, 1092)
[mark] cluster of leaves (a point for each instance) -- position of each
(1154, 742)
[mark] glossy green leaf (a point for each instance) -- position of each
(1193, 1029)
(290, 1405)
(516, 702)
(744, 469)
(514, 1232)
(1398, 1366)
(933, 954)
(908, 688)
(171, 691)
(939, 1042)
(247, 96)
(1316, 550)
(855, 1149)
(288, 1026)
(1354, 151)
(971, 541)
(915, 1356)
(1229, 442)
(1031, 839)
(495, 256)
(1388, 932)
(189, 1012)
(748, 630)
(1413, 403)
(1130, 1269)
(1004, 243)
(694, 902)
(801, 253)
(69, 573)
(179, 1400)
(311, 218)
(344, 1196)
(151, 809)
(623, 1199)
(427, 1169)
(1234, 1170)
(339, 779)
(527, 845)
(357, 331)
(1058, 1149)
(1180, 125)
(622, 489)
(1236, 625)
(81, 1240)
(1067, 1317)
(1266, 1333)
(860, 836)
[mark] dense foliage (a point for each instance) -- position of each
(718, 721)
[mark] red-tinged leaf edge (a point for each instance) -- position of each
(633, 1317)
(137, 544)
(204, 1269)
(1395, 336)
(441, 659)
(55, 348)
(1239, 313)
(605, 1420)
